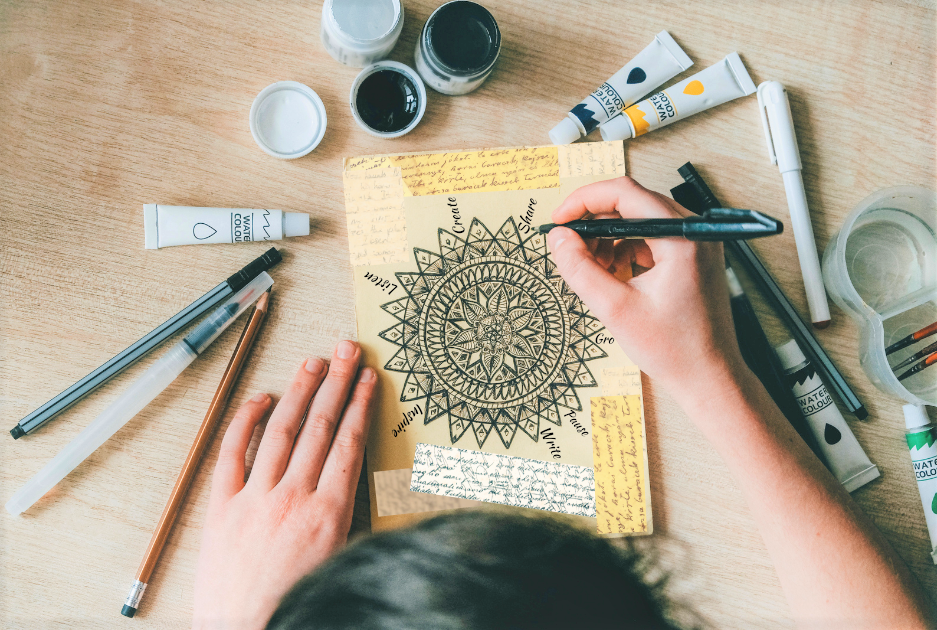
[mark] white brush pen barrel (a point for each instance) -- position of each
(806, 247)
(138, 396)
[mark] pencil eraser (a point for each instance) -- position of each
(127, 611)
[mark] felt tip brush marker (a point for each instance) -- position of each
(716, 224)
(913, 338)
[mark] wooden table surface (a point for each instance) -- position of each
(107, 105)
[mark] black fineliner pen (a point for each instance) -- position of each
(716, 224)
(147, 343)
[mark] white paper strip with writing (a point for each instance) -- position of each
(517, 481)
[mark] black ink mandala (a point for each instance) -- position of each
(490, 335)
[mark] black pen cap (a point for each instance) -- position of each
(250, 271)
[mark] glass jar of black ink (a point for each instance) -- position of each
(388, 99)
(458, 47)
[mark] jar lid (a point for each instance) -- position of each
(287, 120)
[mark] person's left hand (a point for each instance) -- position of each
(295, 510)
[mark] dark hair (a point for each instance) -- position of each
(472, 570)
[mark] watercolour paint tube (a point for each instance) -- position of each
(846, 459)
(718, 84)
(922, 442)
(662, 60)
(165, 226)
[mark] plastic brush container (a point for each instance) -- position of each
(881, 268)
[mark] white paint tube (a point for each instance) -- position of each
(847, 460)
(922, 442)
(662, 60)
(165, 226)
(718, 84)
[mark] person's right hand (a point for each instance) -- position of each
(674, 320)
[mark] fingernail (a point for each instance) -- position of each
(556, 236)
(345, 350)
(259, 398)
(314, 365)
(368, 375)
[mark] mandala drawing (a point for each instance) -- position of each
(490, 336)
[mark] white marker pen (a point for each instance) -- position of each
(713, 86)
(842, 450)
(165, 226)
(782, 148)
(662, 60)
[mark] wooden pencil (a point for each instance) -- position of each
(190, 467)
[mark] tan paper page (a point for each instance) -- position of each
(479, 344)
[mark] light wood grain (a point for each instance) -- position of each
(107, 105)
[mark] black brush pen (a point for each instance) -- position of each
(754, 345)
(761, 358)
(776, 298)
(715, 224)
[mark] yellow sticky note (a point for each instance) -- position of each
(377, 227)
(622, 489)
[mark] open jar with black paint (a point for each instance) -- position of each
(458, 47)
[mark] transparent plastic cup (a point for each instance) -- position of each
(881, 268)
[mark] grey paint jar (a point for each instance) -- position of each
(360, 32)
(458, 47)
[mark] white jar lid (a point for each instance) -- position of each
(287, 120)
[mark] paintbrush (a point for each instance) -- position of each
(927, 331)
(923, 365)
(917, 355)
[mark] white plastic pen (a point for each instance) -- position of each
(782, 148)
(139, 395)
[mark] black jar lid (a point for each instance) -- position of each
(462, 38)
